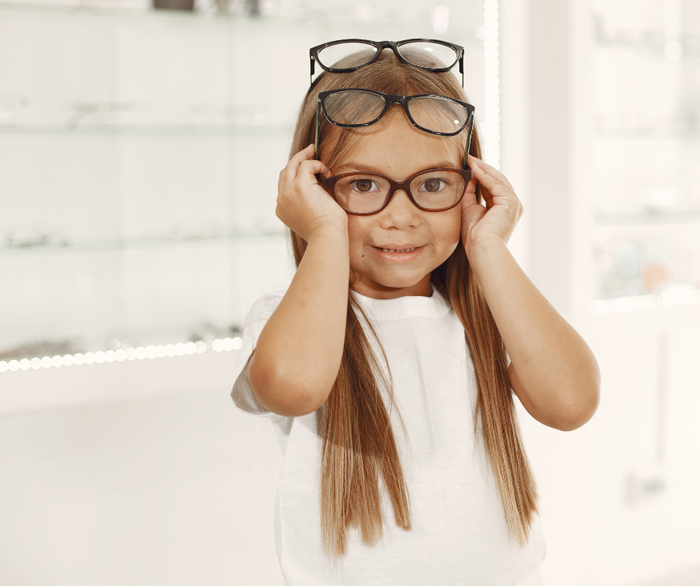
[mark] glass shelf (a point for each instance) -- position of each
(649, 41)
(148, 130)
(680, 297)
(650, 217)
(634, 255)
(687, 133)
(45, 244)
(645, 141)
(140, 177)
(315, 18)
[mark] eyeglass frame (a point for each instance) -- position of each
(328, 183)
(380, 46)
(389, 101)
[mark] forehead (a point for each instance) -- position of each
(394, 143)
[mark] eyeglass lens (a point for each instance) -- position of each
(433, 114)
(419, 53)
(365, 193)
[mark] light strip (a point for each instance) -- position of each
(141, 353)
(635, 303)
(492, 109)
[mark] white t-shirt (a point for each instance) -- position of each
(459, 534)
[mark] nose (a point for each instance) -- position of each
(401, 212)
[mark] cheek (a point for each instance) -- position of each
(449, 227)
(357, 232)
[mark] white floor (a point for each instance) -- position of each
(177, 490)
(154, 492)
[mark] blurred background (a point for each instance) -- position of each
(140, 146)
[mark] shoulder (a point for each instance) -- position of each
(265, 306)
(258, 315)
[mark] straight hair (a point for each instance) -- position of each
(359, 447)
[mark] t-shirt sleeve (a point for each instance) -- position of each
(242, 393)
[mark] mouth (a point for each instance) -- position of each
(406, 253)
(397, 249)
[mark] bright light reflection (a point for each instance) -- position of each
(140, 353)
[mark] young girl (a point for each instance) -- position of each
(387, 367)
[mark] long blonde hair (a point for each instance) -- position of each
(358, 440)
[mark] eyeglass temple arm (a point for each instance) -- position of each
(311, 74)
(318, 131)
(461, 69)
(469, 141)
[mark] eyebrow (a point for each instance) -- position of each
(349, 167)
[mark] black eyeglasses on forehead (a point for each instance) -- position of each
(345, 55)
(356, 107)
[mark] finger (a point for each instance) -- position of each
(303, 155)
(495, 192)
(491, 184)
(310, 168)
(491, 171)
(472, 213)
(483, 191)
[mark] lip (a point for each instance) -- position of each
(395, 253)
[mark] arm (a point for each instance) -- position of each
(298, 354)
(557, 380)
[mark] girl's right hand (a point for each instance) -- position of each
(302, 204)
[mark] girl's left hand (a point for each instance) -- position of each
(503, 208)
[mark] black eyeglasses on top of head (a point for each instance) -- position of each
(432, 54)
(357, 107)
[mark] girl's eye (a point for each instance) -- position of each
(364, 185)
(433, 185)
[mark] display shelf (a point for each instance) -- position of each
(140, 177)
(148, 130)
(656, 42)
(118, 11)
(688, 132)
(126, 86)
(645, 136)
(675, 299)
(643, 259)
(315, 18)
(648, 217)
(668, 44)
(45, 244)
